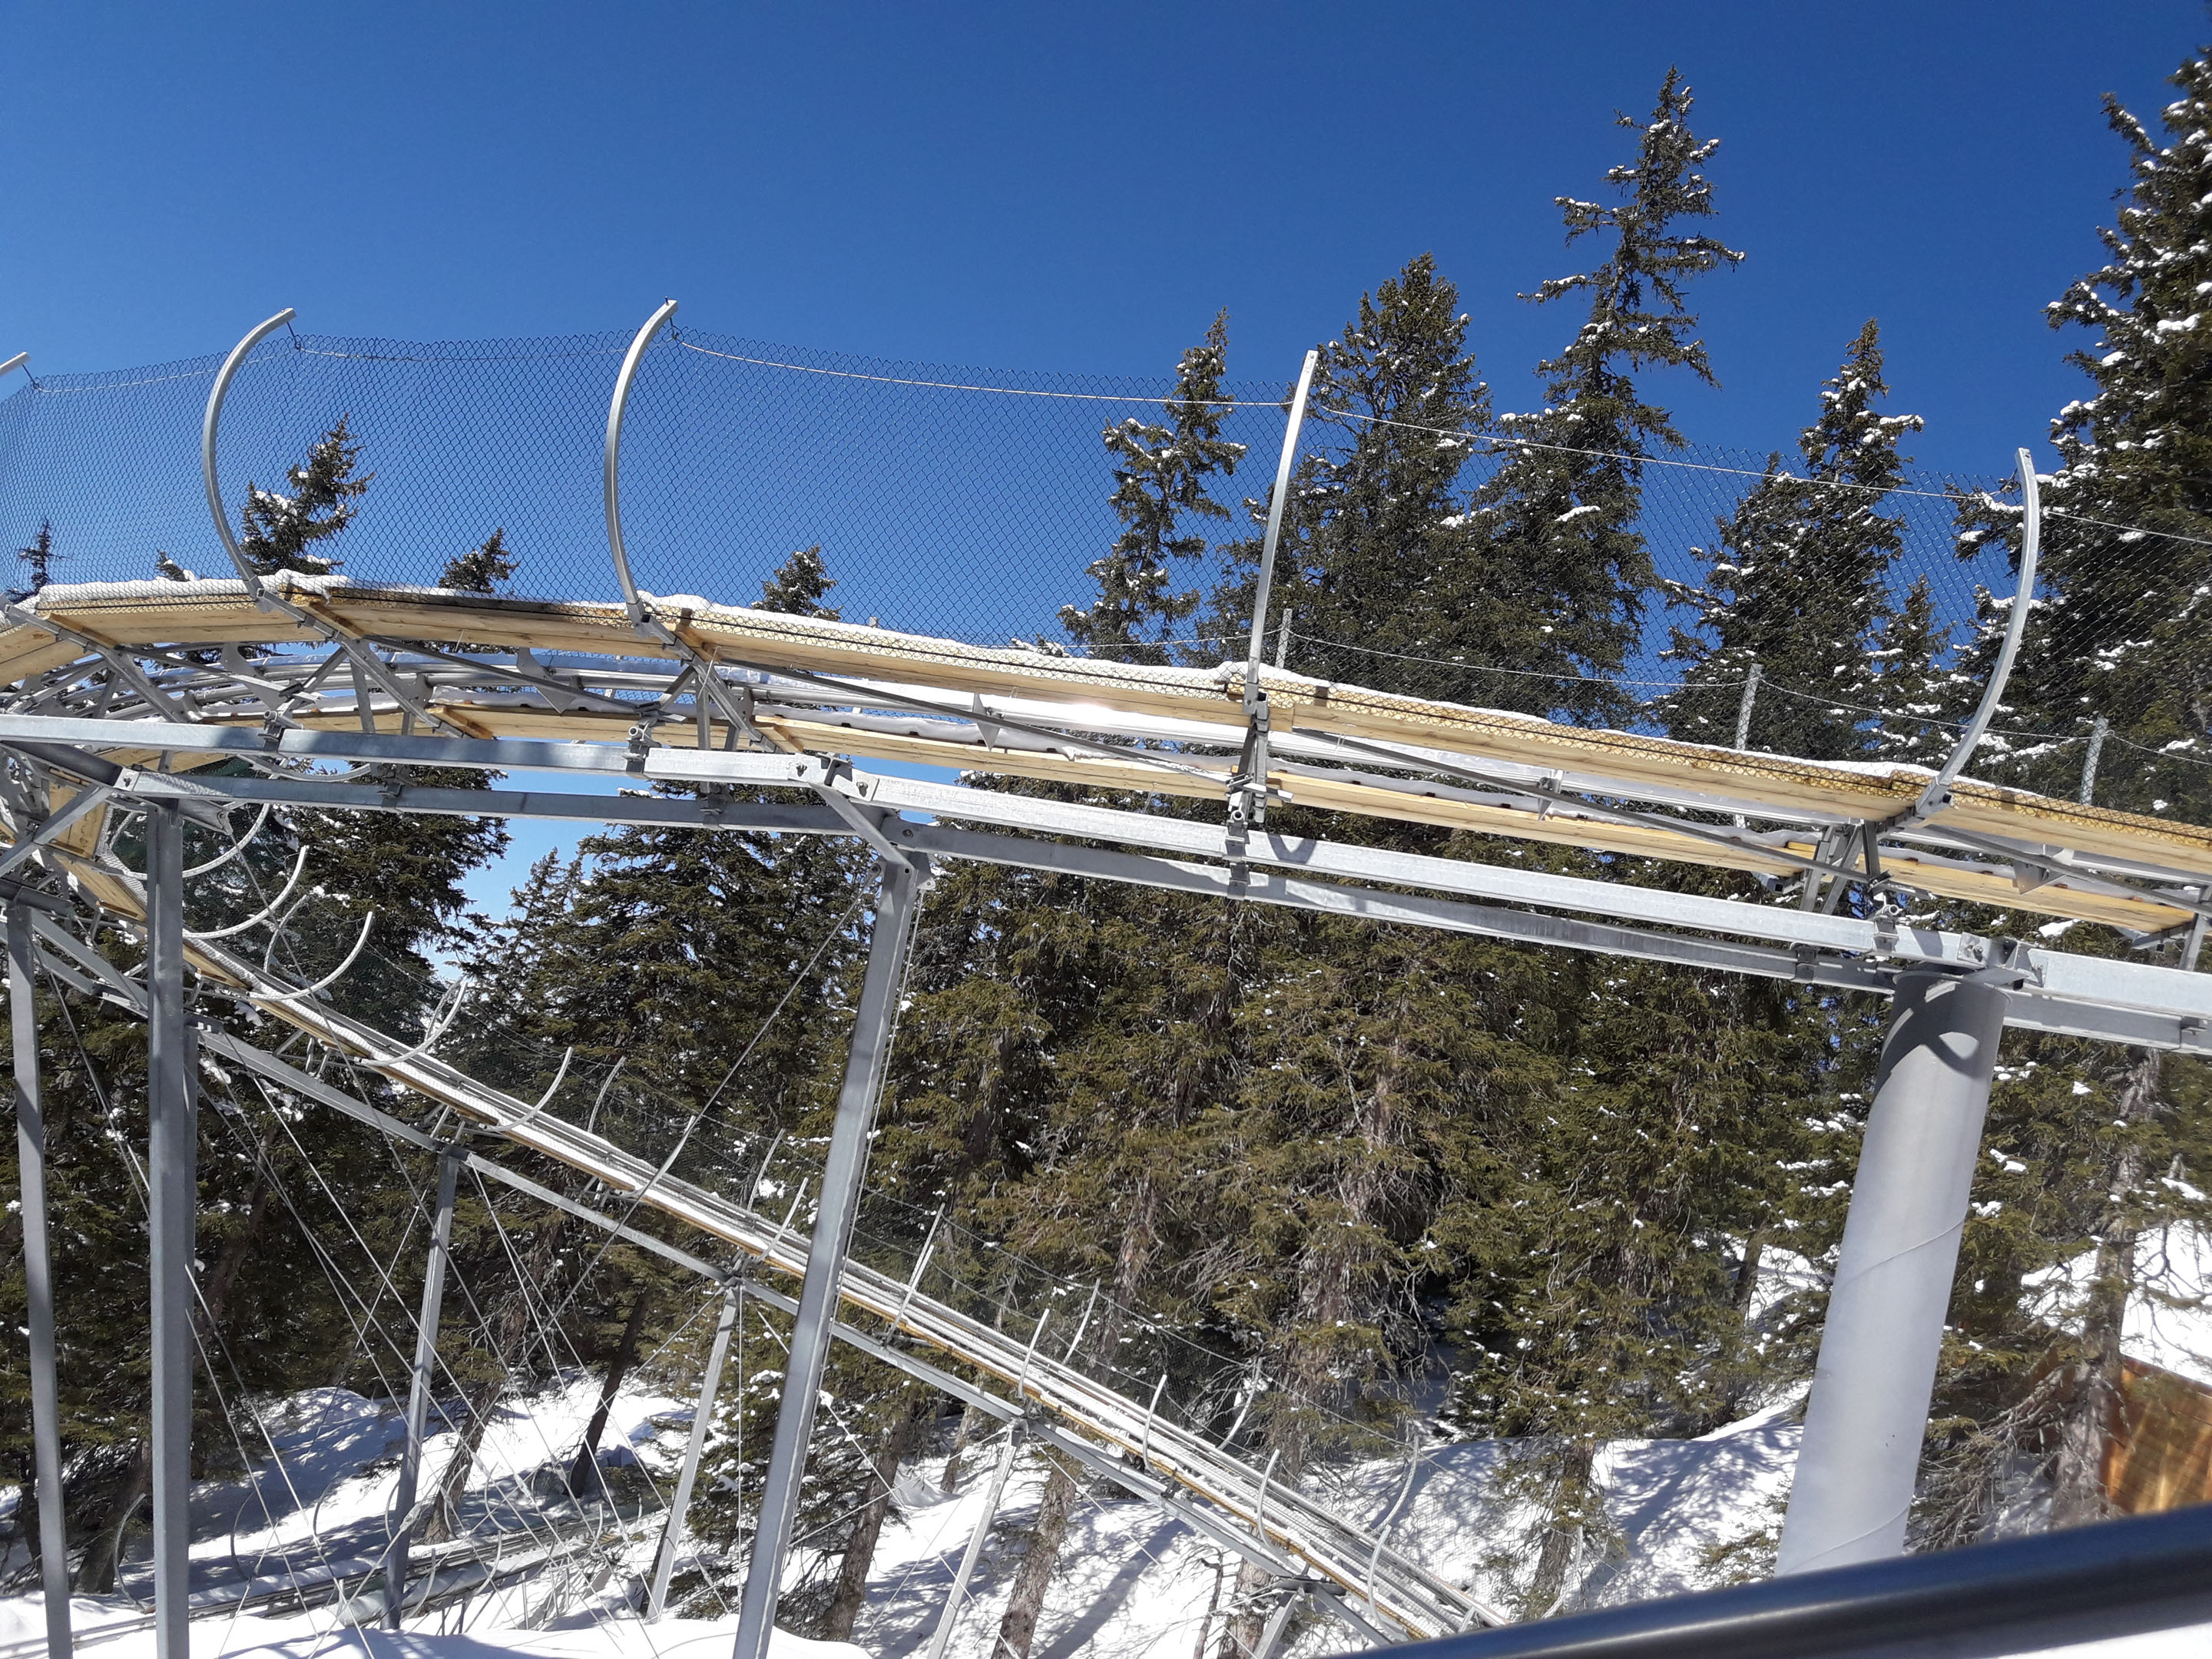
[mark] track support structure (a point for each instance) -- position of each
(965, 1573)
(38, 1281)
(173, 1176)
(450, 1160)
(702, 1422)
(1876, 1371)
(839, 1202)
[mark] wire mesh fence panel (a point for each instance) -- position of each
(986, 506)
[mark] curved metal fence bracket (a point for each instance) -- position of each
(209, 427)
(1934, 797)
(632, 600)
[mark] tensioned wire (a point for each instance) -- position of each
(203, 1328)
(552, 1341)
(1133, 1385)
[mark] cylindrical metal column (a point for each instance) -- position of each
(1871, 1386)
(39, 1282)
(419, 1387)
(172, 1172)
(703, 1421)
(825, 1255)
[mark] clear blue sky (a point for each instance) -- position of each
(1045, 187)
(1055, 187)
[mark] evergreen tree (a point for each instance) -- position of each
(2100, 1139)
(801, 582)
(1375, 563)
(483, 568)
(1558, 519)
(277, 532)
(39, 555)
(1160, 497)
(1797, 586)
(2123, 620)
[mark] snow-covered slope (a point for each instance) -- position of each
(1688, 1515)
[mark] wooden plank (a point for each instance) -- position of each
(206, 612)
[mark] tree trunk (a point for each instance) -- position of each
(584, 1474)
(215, 1293)
(1247, 1621)
(851, 1591)
(968, 1415)
(1212, 1601)
(1019, 1628)
(1563, 1537)
(2092, 1411)
(97, 1574)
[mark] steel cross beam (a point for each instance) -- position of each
(2100, 998)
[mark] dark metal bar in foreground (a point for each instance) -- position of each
(2146, 1573)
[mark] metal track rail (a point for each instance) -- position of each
(1376, 1590)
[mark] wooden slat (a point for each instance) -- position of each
(209, 612)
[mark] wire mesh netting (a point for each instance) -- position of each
(978, 504)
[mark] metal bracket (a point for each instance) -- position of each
(209, 426)
(1937, 795)
(633, 600)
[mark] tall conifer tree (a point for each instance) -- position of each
(1796, 584)
(1558, 520)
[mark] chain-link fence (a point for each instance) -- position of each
(974, 505)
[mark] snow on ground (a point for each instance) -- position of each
(1689, 1515)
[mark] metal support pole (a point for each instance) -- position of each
(211, 425)
(1871, 1386)
(419, 1387)
(38, 1281)
(1275, 507)
(611, 466)
(702, 1419)
(173, 1151)
(825, 1256)
(1248, 793)
(1937, 795)
(974, 1552)
(1277, 1622)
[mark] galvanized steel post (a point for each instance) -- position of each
(702, 1419)
(966, 1572)
(419, 1388)
(825, 1257)
(1860, 1456)
(210, 424)
(173, 1174)
(39, 1282)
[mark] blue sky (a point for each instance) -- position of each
(1055, 188)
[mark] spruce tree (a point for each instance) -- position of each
(38, 557)
(2103, 1139)
(1796, 585)
(1558, 519)
(1160, 473)
(483, 568)
(277, 532)
(1375, 566)
(799, 586)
